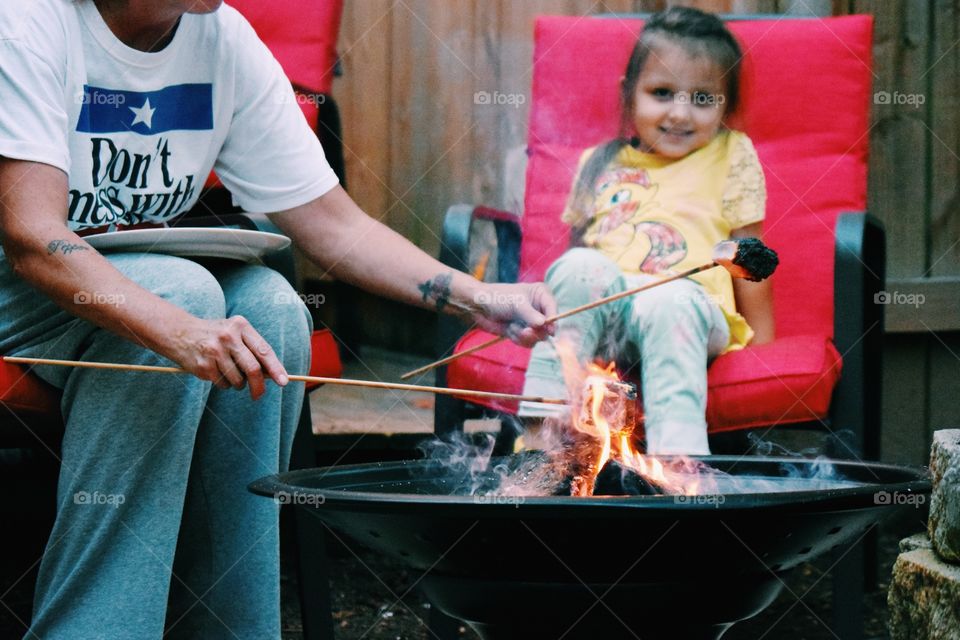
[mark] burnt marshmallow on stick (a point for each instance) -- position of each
(747, 258)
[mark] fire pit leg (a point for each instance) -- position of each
(312, 575)
(848, 588)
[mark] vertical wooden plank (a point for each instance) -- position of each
(899, 140)
(431, 125)
(488, 147)
(754, 6)
(905, 408)
(944, 411)
(943, 77)
(806, 8)
(364, 97)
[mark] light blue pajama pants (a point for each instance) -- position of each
(152, 505)
(673, 331)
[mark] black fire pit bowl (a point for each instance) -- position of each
(601, 567)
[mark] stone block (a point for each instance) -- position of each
(916, 541)
(944, 523)
(924, 598)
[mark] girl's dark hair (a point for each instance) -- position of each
(700, 34)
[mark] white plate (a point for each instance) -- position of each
(232, 244)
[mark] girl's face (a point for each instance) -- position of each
(679, 101)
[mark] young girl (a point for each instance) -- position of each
(653, 201)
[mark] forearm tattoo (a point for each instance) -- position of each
(64, 247)
(438, 290)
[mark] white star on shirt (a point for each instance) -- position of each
(144, 114)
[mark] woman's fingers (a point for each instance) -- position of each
(233, 354)
(522, 316)
(264, 361)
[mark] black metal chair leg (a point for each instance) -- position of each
(312, 575)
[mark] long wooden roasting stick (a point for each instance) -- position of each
(748, 259)
(318, 379)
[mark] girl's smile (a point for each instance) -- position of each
(679, 102)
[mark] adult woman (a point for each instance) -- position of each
(113, 112)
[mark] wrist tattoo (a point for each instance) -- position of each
(64, 247)
(437, 289)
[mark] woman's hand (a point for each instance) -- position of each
(229, 353)
(517, 311)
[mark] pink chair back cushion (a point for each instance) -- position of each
(805, 104)
(301, 34)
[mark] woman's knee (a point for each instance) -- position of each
(181, 282)
(270, 304)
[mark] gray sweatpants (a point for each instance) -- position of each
(154, 523)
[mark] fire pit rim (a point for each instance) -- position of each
(915, 480)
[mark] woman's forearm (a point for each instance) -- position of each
(355, 248)
(68, 270)
(45, 253)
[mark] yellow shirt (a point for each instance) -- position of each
(659, 216)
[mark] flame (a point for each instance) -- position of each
(602, 429)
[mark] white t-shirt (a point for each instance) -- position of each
(137, 133)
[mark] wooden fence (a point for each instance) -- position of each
(418, 139)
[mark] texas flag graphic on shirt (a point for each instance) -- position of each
(137, 168)
(183, 107)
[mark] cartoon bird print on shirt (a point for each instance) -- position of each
(627, 196)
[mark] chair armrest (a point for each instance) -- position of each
(859, 272)
(455, 252)
(455, 239)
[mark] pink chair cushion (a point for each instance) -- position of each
(324, 356)
(805, 103)
(302, 35)
(788, 381)
(24, 393)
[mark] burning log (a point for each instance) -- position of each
(616, 479)
(606, 419)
